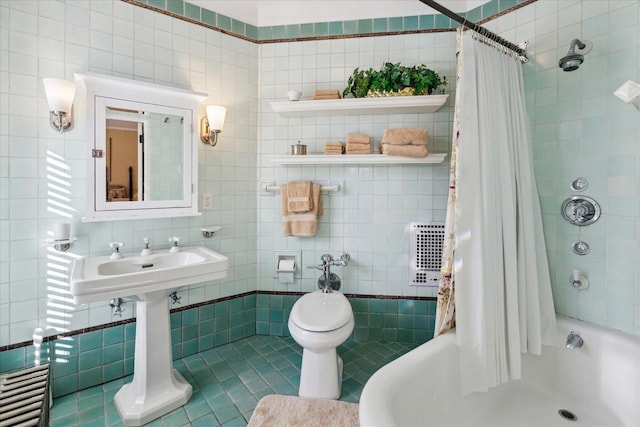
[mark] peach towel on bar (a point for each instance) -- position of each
(299, 196)
(405, 136)
(358, 138)
(405, 150)
(301, 224)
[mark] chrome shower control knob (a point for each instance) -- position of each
(579, 184)
(580, 248)
(580, 210)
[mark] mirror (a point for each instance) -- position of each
(143, 149)
(142, 162)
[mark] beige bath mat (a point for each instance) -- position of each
(293, 411)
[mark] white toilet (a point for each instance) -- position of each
(320, 322)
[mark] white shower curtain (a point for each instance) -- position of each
(504, 305)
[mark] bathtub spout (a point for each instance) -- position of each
(574, 341)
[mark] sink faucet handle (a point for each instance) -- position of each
(116, 246)
(116, 249)
(146, 250)
(174, 240)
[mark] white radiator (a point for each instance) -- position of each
(24, 397)
(427, 239)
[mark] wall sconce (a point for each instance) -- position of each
(211, 124)
(60, 95)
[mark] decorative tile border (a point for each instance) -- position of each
(92, 356)
(377, 318)
(183, 10)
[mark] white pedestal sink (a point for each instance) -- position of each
(156, 388)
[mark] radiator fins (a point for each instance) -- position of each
(24, 397)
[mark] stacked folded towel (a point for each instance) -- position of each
(301, 206)
(299, 196)
(326, 94)
(408, 142)
(358, 143)
(336, 147)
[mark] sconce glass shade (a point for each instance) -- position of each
(60, 94)
(211, 124)
(216, 115)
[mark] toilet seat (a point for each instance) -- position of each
(321, 312)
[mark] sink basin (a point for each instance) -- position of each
(102, 278)
(156, 388)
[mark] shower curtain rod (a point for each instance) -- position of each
(477, 28)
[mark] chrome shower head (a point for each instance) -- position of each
(575, 56)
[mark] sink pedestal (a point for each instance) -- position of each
(157, 388)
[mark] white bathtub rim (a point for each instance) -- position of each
(374, 405)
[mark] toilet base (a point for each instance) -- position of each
(321, 374)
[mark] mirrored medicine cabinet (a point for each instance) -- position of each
(142, 149)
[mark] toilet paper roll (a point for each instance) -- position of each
(286, 269)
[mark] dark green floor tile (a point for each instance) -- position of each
(246, 404)
(257, 385)
(238, 392)
(229, 381)
(177, 417)
(236, 422)
(206, 421)
(67, 420)
(220, 401)
(227, 413)
(197, 410)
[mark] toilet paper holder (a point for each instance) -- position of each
(286, 267)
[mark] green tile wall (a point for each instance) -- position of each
(376, 319)
(91, 358)
(207, 17)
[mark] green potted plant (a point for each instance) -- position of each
(392, 79)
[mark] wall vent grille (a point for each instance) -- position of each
(427, 239)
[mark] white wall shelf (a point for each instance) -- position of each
(355, 159)
(354, 106)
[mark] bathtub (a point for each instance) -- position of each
(598, 384)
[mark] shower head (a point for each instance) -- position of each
(575, 56)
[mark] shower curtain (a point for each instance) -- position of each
(497, 265)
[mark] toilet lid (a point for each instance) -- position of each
(320, 312)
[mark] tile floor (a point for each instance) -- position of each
(228, 381)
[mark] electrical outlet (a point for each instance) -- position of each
(207, 201)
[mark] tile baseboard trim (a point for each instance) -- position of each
(197, 305)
